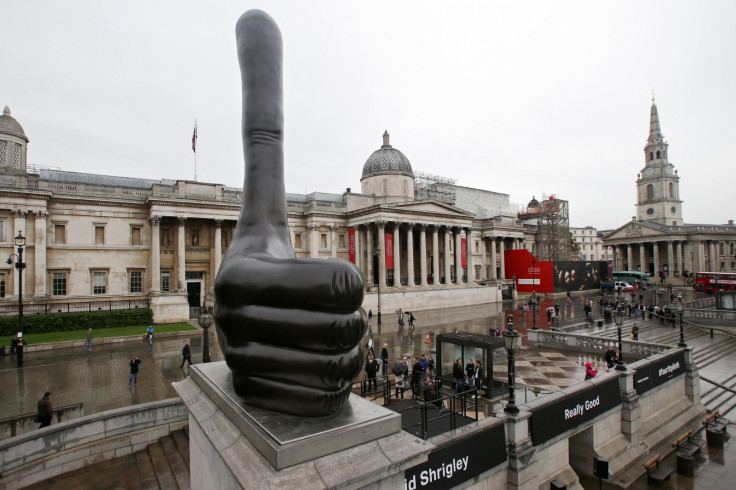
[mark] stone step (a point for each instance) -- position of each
(164, 473)
(147, 473)
(181, 438)
(176, 461)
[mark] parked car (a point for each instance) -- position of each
(625, 286)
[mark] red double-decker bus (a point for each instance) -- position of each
(711, 282)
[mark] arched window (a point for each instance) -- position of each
(658, 154)
(672, 189)
(651, 155)
(650, 191)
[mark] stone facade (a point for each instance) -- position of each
(94, 237)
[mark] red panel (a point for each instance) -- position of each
(351, 244)
(463, 253)
(389, 251)
(518, 263)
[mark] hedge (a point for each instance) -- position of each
(64, 322)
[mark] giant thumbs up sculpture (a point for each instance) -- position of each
(289, 328)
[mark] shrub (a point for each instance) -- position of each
(64, 322)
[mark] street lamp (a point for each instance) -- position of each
(20, 242)
(680, 307)
(205, 321)
(377, 253)
(534, 295)
(512, 341)
(618, 316)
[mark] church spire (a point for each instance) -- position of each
(386, 138)
(655, 132)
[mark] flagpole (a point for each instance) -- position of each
(194, 148)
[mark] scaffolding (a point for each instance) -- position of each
(434, 188)
(553, 227)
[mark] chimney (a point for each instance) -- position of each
(730, 222)
(347, 190)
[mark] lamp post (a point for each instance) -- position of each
(534, 295)
(377, 253)
(20, 242)
(512, 340)
(680, 307)
(205, 321)
(618, 316)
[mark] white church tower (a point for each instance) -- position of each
(658, 185)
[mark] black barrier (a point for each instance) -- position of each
(459, 461)
(579, 407)
(658, 372)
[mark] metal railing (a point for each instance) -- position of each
(73, 307)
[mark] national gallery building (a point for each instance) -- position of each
(422, 240)
(657, 240)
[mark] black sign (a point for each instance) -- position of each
(565, 414)
(658, 372)
(450, 465)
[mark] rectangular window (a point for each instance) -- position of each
(60, 234)
(165, 237)
(166, 282)
(58, 284)
(99, 282)
(297, 240)
(136, 282)
(342, 241)
(2, 285)
(323, 240)
(99, 235)
(135, 236)
(2, 231)
(225, 238)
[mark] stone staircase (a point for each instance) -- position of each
(161, 465)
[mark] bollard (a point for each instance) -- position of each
(685, 465)
(714, 437)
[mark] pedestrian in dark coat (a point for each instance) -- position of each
(45, 410)
(416, 377)
(478, 375)
(371, 368)
(134, 361)
(469, 371)
(384, 359)
(458, 374)
(186, 354)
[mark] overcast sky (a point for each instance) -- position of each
(526, 98)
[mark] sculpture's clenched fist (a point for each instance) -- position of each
(289, 327)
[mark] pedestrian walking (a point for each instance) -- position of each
(371, 368)
(635, 332)
(134, 362)
(369, 346)
(89, 339)
(370, 318)
(186, 354)
(45, 410)
(384, 359)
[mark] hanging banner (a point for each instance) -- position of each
(351, 244)
(389, 251)
(463, 253)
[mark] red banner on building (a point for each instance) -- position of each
(351, 244)
(463, 253)
(389, 251)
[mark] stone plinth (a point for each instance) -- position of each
(234, 445)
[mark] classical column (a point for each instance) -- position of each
(494, 270)
(39, 263)
(423, 255)
(448, 277)
(155, 253)
(655, 256)
(435, 254)
(502, 248)
(19, 223)
(218, 246)
(678, 253)
(382, 256)
(642, 258)
(469, 254)
(483, 266)
(410, 254)
(458, 255)
(313, 240)
(180, 257)
(671, 267)
(712, 256)
(700, 256)
(369, 255)
(629, 259)
(397, 256)
(333, 240)
(358, 253)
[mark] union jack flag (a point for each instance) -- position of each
(194, 139)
